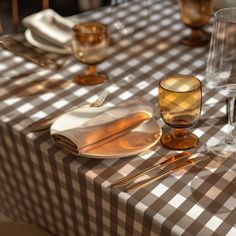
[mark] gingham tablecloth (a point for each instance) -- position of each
(69, 195)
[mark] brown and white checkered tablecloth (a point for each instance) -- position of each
(70, 196)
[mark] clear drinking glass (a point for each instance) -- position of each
(195, 14)
(180, 102)
(90, 44)
(221, 74)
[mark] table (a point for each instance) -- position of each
(68, 195)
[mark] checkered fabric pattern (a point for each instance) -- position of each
(69, 195)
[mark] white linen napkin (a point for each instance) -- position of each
(50, 26)
(111, 124)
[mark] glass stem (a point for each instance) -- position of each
(230, 111)
(179, 133)
(196, 34)
(91, 70)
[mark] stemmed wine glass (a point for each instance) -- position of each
(180, 99)
(90, 43)
(221, 74)
(195, 14)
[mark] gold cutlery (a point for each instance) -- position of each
(178, 166)
(46, 122)
(19, 49)
(131, 177)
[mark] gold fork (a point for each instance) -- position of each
(46, 122)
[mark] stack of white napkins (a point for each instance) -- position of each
(105, 127)
(50, 26)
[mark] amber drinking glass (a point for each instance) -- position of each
(90, 43)
(180, 99)
(195, 14)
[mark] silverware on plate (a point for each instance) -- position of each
(46, 122)
(172, 164)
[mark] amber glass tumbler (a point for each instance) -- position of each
(180, 101)
(195, 14)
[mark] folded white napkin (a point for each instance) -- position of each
(111, 124)
(50, 26)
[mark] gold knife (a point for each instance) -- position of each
(131, 177)
(179, 166)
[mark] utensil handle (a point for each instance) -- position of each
(46, 122)
(38, 59)
(131, 177)
(143, 183)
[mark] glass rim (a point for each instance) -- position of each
(182, 76)
(217, 14)
(102, 27)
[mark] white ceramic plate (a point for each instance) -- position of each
(43, 44)
(139, 139)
